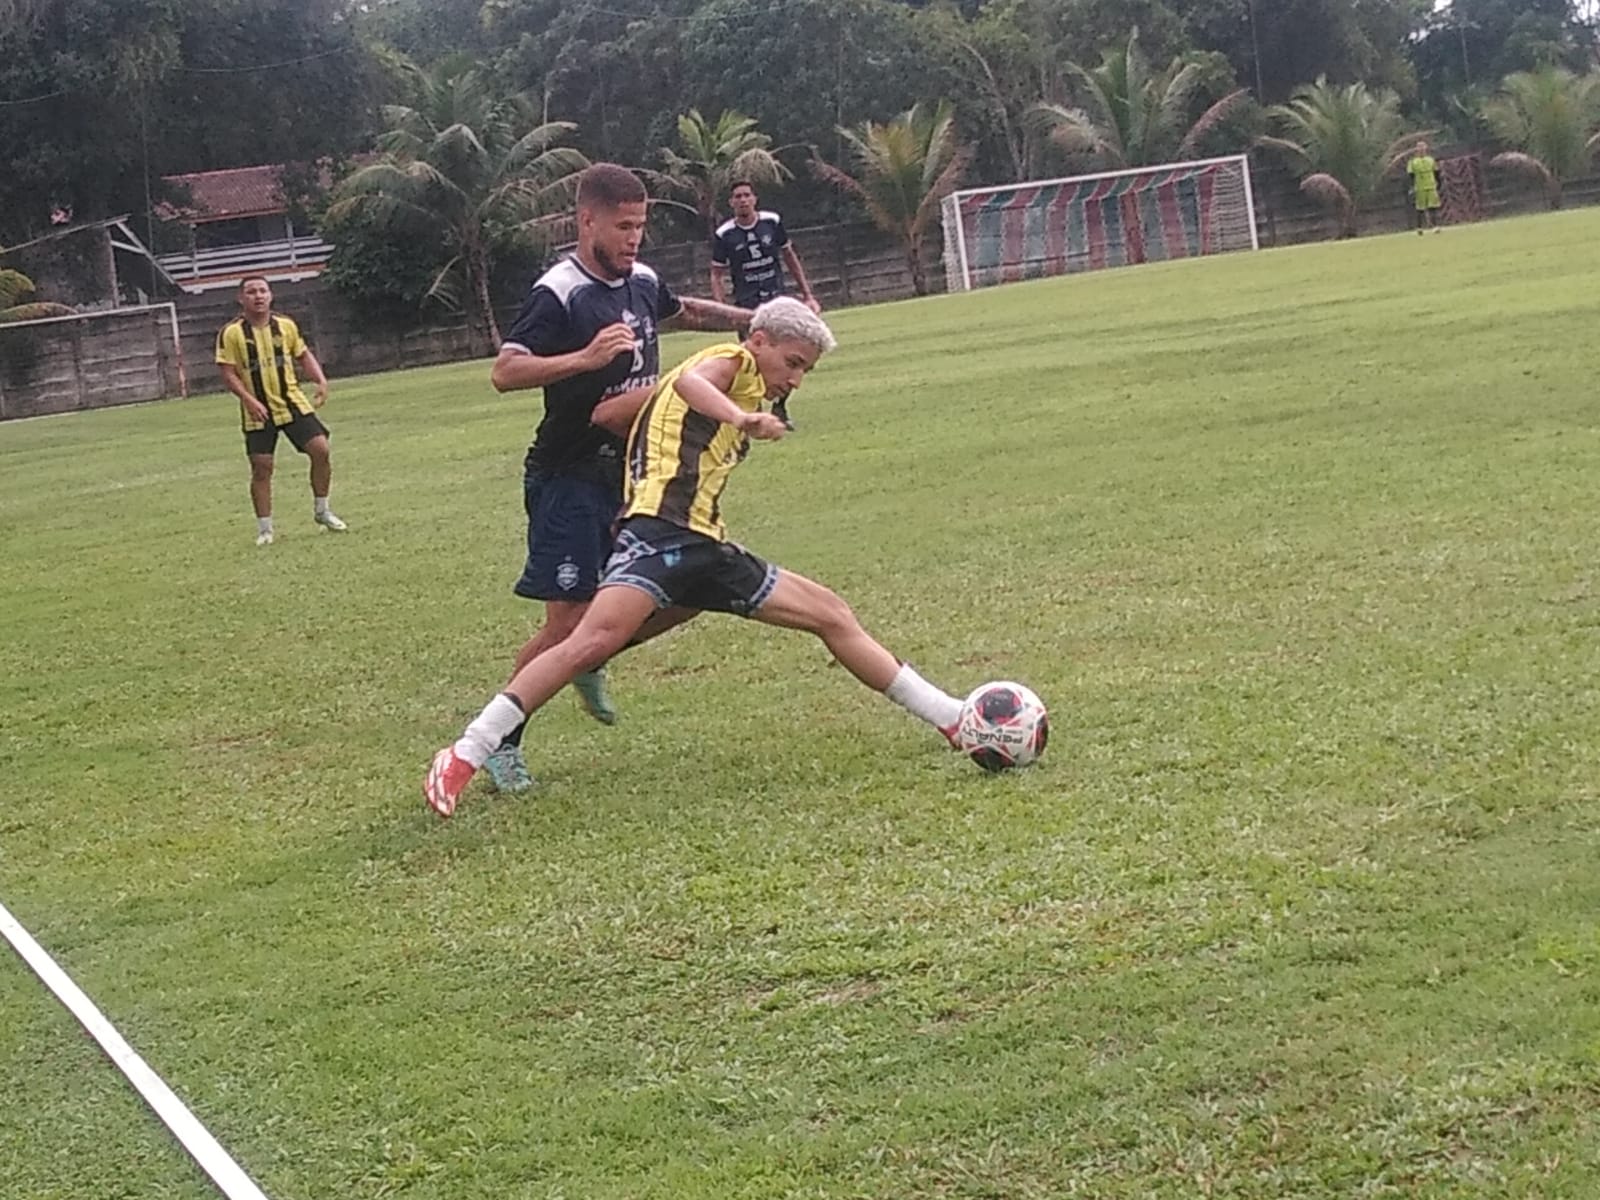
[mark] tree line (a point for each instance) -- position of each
(481, 109)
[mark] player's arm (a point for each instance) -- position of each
(237, 386)
(695, 313)
(705, 388)
(312, 369)
(616, 414)
(792, 261)
(235, 383)
(516, 367)
(227, 357)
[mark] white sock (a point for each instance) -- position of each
(921, 699)
(263, 524)
(499, 717)
(319, 505)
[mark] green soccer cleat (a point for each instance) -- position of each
(507, 770)
(591, 689)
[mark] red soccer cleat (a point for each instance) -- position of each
(949, 732)
(447, 778)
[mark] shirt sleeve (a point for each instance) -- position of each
(293, 344)
(719, 250)
(667, 303)
(780, 235)
(542, 327)
(229, 347)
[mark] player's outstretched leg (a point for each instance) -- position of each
(611, 620)
(800, 603)
(507, 769)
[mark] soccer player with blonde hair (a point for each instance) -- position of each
(672, 549)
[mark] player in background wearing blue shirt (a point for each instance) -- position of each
(753, 248)
(587, 335)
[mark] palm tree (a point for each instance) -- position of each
(717, 154)
(468, 165)
(1345, 140)
(14, 288)
(1551, 119)
(1131, 116)
(903, 170)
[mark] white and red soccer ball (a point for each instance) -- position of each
(1002, 725)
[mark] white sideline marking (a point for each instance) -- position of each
(202, 1147)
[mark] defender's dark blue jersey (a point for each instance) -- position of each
(562, 314)
(751, 254)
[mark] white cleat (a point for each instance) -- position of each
(328, 521)
(264, 538)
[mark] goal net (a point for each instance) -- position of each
(90, 360)
(1086, 222)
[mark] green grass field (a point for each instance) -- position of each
(1300, 548)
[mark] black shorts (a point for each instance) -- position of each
(684, 569)
(570, 522)
(301, 431)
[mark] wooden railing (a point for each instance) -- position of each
(288, 258)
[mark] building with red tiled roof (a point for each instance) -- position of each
(230, 195)
(239, 224)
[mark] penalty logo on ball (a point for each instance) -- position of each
(1003, 725)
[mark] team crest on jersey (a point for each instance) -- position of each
(567, 576)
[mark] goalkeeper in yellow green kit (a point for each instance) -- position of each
(1424, 172)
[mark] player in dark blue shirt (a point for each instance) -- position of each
(587, 335)
(753, 248)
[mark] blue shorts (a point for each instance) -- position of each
(570, 524)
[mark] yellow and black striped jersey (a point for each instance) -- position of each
(265, 356)
(679, 460)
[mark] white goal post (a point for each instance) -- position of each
(1086, 222)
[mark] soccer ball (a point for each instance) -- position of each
(1002, 725)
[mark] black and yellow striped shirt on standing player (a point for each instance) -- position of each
(264, 356)
(679, 460)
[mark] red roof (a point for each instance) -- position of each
(242, 192)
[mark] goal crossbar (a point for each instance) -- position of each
(1155, 169)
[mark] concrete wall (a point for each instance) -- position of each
(117, 357)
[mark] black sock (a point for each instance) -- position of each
(514, 738)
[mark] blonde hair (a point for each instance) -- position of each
(787, 320)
